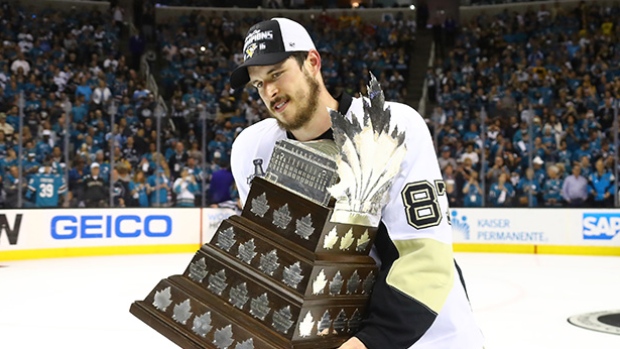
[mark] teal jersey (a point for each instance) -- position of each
(46, 188)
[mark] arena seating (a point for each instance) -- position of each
(549, 76)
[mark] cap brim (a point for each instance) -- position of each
(240, 76)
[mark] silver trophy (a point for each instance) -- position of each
(370, 157)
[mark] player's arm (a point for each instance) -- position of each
(62, 187)
(32, 188)
(238, 163)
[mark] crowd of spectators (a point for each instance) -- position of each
(550, 74)
(200, 52)
(548, 81)
(73, 75)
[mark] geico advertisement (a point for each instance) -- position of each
(125, 226)
(91, 227)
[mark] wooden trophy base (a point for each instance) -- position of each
(226, 327)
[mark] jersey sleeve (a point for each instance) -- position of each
(239, 159)
(32, 187)
(251, 151)
(414, 244)
(62, 185)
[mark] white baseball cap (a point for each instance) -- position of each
(270, 42)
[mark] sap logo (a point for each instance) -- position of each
(600, 226)
(459, 224)
(99, 227)
(12, 233)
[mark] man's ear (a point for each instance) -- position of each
(313, 62)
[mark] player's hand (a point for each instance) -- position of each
(353, 343)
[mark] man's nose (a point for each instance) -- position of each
(271, 91)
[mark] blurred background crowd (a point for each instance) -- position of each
(521, 105)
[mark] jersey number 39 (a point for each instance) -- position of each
(46, 190)
(421, 203)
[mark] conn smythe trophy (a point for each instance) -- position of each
(293, 270)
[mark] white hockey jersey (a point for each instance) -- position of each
(419, 300)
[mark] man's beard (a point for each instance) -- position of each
(305, 112)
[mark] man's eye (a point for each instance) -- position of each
(258, 84)
(276, 75)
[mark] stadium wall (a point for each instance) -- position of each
(165, 14)
(49, 233)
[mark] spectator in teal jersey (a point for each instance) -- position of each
(158, 187)
(573, 134)
(552, 188)
(528, 189)
(31, 165)
(148, 161)
(138, 188)
(45, 188)
(33, 103)
(582, 151)
(185, 188)
(84, 89)
(502, 192)
(44, 145)
(12, 117)
(472, 193)
(79, 110)
(195, 171)
(564, 155)
(586, 166)
(601, 186)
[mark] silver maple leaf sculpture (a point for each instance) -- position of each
(370, 157)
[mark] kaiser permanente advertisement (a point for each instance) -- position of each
(557, 227)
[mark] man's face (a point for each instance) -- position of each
(290, 93)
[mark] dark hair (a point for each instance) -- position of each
(300, 57)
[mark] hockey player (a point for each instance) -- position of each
(419, 299)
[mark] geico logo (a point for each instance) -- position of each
(122, 226)
(11, 230)
(601, 226)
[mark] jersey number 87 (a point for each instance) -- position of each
(421, 203)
